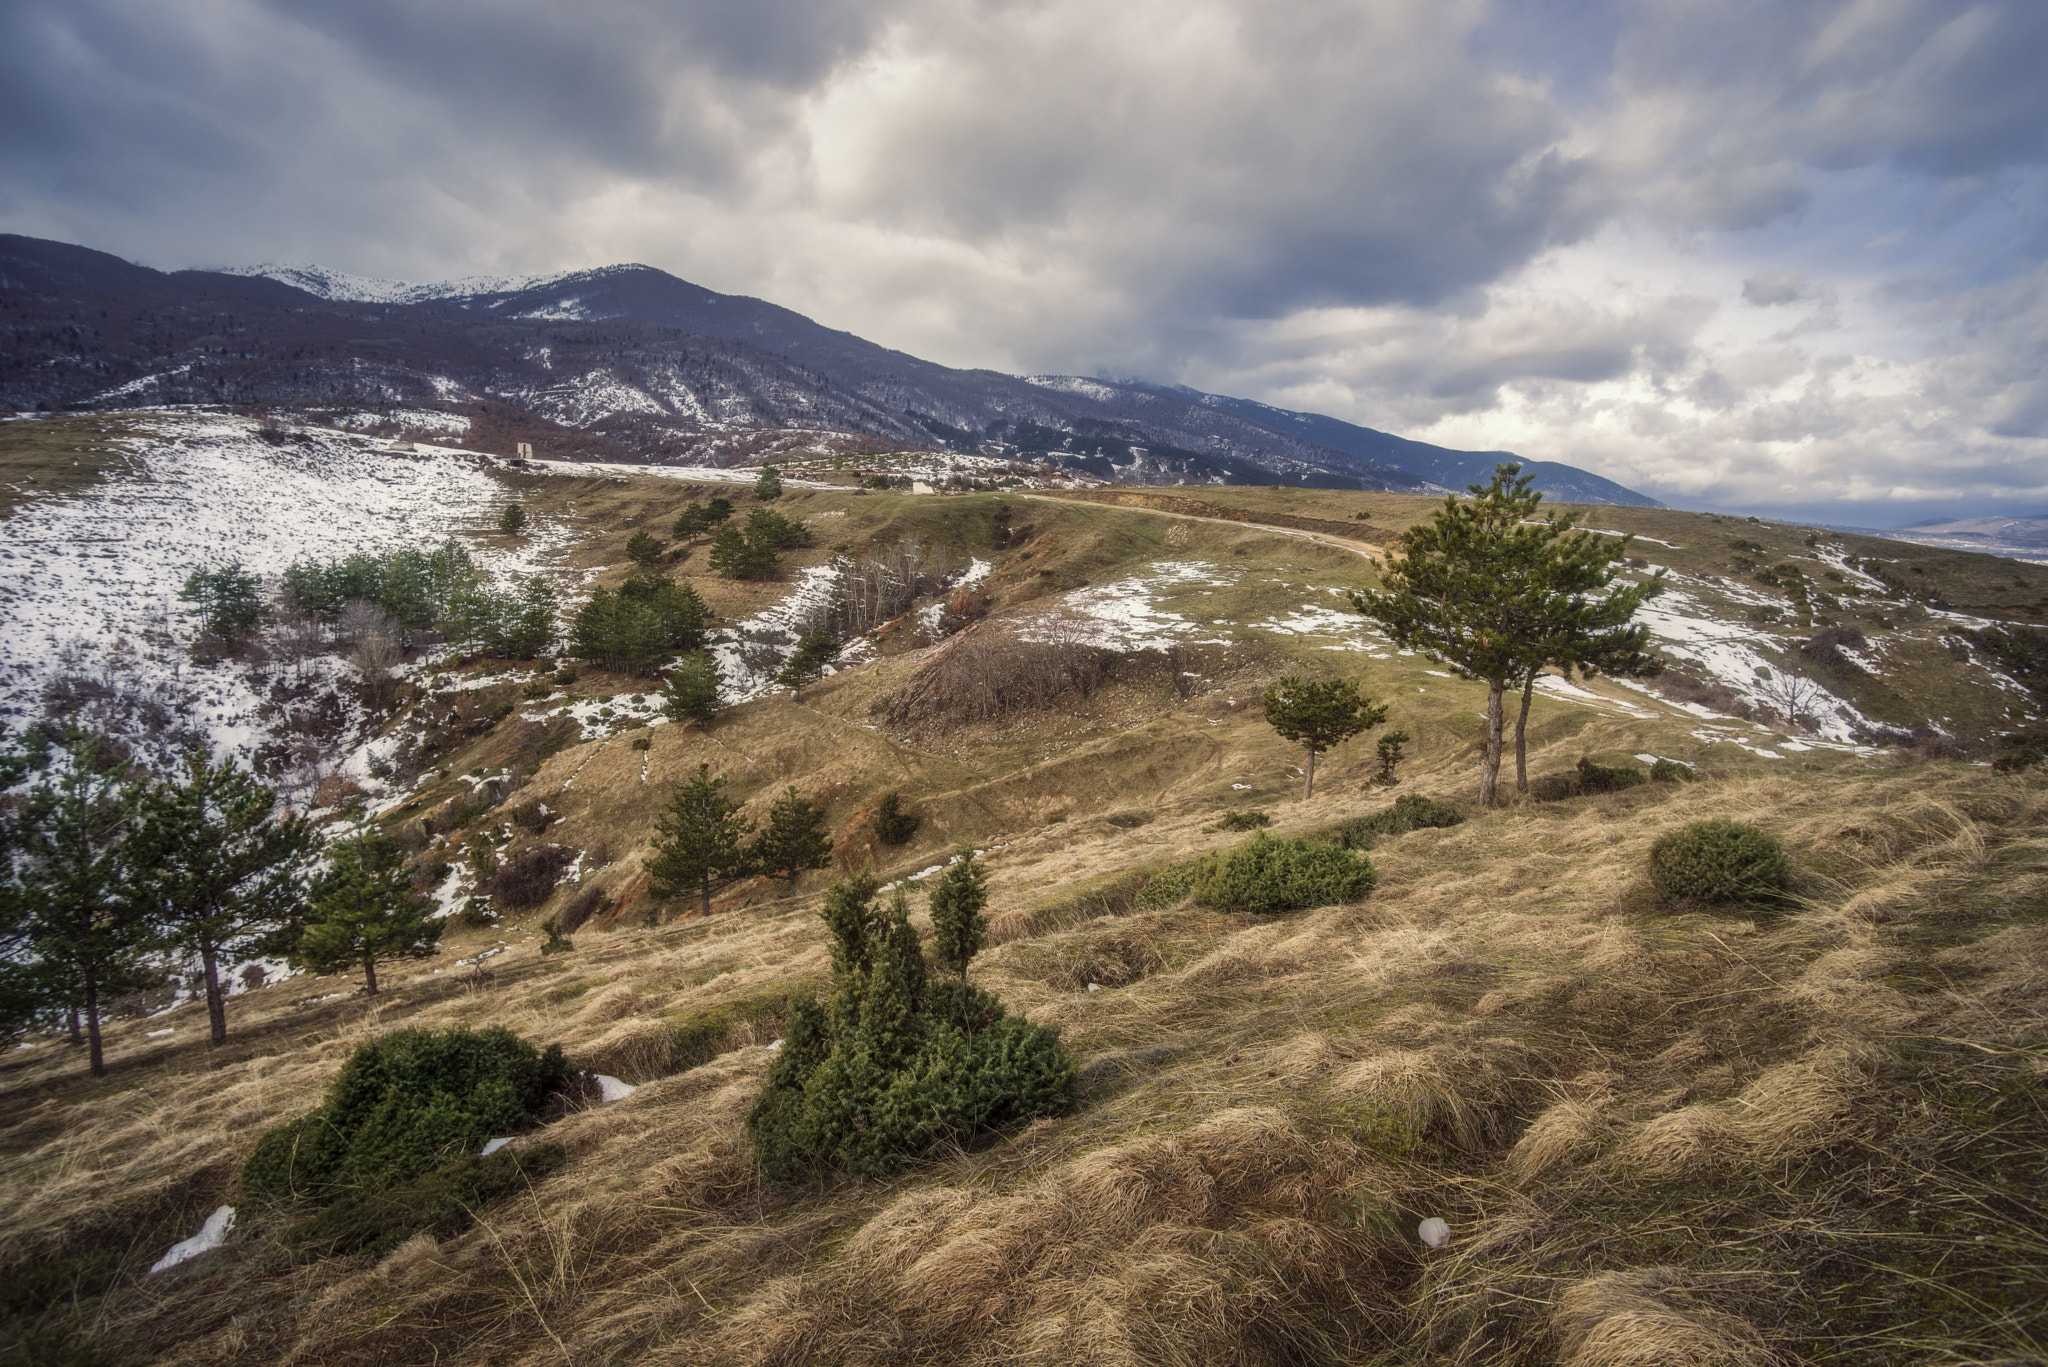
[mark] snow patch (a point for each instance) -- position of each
(211, 1235)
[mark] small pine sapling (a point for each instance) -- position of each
(1390, 757)
(512, 519)
(1320, 715)
(768, 487)
(957, 901)
(363, 908)
(699, 841)
(794, 840)
(644, 550)
(807, 664)
(893, 825)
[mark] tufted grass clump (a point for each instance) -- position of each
(403, 1104)
(1267, 876)
(1719, 861)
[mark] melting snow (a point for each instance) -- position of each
(89, 583)
(211, 1235)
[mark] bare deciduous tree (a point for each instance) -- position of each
(1790, 691)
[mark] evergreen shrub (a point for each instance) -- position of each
(1673, 771)
(1169, 885)
(404, 1104)
(1266, 875)
(1608, 778)
(1244, 821)
(893, 825)
(1719, 861)
(897, 1061)
(1410, 812)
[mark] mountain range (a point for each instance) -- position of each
(631, 363)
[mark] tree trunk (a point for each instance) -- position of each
(370, 974)
(1522, 736)
(705, 888)
(216, 1006)
(1308, 787)
(92, 1027)
(1489, 767)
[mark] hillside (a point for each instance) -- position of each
(1659, 1133)
(631, 363)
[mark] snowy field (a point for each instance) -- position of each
(89, 583)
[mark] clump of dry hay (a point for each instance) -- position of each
(1788, 1110)
(1237, 1241)
(1650, 1318)
(634, 1050)
(1464, 1094)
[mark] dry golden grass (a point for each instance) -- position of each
(1743, 1136)
(1521, 1041)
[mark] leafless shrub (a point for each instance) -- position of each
(992, 671)
(1791, 691)
(529, 877)
(360, 619)
(376, 654)
(883, 584)
(584, 905)
(1825, 648)
(1708, 693)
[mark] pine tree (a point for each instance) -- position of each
(699, 841)
(768, 487)
(692, 691)
(227, 598)
(217, 868)
(716, 512)
(807, 662)
(794, 840)
(530, 628)
(1467, 594)
(363, 908)
(647, 621)
(891, 824)
(1390, 757)
(512, 519)
(1582, 624)
(735, 556)
(690, 523)
(79, 932)
(1319, 714)
(644, 550)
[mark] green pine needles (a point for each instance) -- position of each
(1720, 861)
(403, 1104)
(1267, 875)
(898, 1061)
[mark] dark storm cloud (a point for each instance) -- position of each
(1587, 230)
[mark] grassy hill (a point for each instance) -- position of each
(1659, 1133)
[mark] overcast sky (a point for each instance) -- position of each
(1762, 256)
